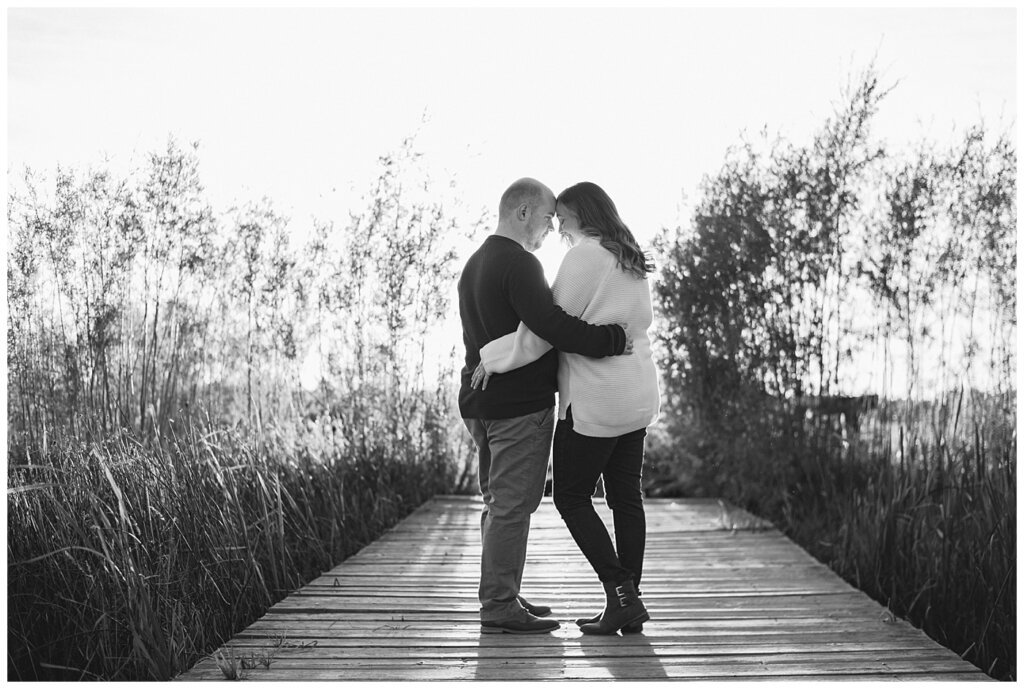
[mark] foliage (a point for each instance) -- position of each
(170, 475)
(927, 525)
(130, 562)
(814, 274)
(132, 304)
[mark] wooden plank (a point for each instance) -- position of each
(644, 670)
(327, 651)
(729, 598)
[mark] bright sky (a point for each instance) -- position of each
(298, 104)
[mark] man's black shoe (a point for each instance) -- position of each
(536, 610)
(524, 623)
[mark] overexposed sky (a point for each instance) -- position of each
(298, 104)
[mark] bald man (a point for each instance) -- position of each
(512, 419)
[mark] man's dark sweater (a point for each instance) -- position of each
(501, 285)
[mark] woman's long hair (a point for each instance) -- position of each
(600, 219)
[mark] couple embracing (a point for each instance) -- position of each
(585, 337)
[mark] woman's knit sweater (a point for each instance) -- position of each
(612, 396)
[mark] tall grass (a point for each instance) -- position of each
(918, 510)
(929, 529)
(208, 408)
(129, 561)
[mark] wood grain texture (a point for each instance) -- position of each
(729, 597)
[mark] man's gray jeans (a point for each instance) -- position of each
(513, 462)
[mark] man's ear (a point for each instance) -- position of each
(521, 211)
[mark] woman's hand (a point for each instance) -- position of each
(480, 377)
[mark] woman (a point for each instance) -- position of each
(605, 405)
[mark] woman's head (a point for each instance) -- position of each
(586, 208)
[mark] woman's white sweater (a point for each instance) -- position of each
(610, 396)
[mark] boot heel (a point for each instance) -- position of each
(639, 621)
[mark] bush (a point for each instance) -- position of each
(817, 281)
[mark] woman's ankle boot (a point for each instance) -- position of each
(634, 628)
(622, 608)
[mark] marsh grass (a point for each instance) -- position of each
(918, 510)
(131, 561)
(927, 524)
(208, 407)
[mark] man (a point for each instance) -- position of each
(512, 420)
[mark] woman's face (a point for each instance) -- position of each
(568, 224)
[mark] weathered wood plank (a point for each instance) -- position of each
(595, 669)
(729, 597)
(325, 652)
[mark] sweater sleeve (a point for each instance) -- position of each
(533, 303)
(513, 350)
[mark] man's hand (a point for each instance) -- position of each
(629, 340)
(481, 376)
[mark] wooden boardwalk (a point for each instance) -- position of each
(728, 599)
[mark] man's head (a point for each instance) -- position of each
(525, 213)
